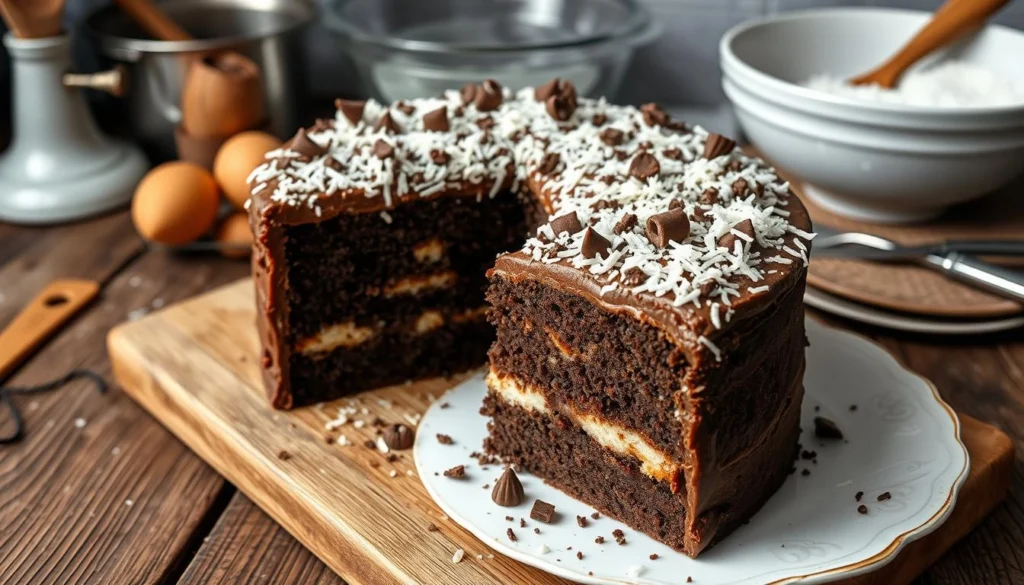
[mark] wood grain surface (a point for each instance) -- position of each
(905, 287)
(86, 536)
(193, 366)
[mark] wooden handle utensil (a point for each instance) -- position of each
(41, 318)
(153, 20)
(951, 21)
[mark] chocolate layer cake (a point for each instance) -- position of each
(650, 338)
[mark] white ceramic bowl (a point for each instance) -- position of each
(885, 163)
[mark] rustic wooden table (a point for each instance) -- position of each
(118, 500)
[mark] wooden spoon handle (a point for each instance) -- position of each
(41, 318)
(951, 21)
(153, 20)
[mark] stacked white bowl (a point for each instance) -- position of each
(873, 161)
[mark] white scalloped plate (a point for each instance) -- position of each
(902, 439)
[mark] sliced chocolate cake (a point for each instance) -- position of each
(650, 341)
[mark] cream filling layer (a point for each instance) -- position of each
(413, 285)
(654, 462)
(346, 334)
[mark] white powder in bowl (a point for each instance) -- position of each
(950, 84)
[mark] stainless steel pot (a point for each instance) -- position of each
(267, 31)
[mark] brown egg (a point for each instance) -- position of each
(235, 230)
(175, 203)
(236, 160)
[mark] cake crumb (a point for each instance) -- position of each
(884, 496)
(581, 521)
(444, 439)
(511, 535)
(284, 455)
(456, 472)
(653, 557)
(858, 496)
(862, 509)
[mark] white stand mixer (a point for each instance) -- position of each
(59, 166)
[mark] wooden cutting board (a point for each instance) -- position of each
(194, 367)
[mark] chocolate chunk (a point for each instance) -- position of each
(399, 437)
(579, 555)
(305, 146)
(862, 509)
(439, 157)
(826, 429)
(605, 204)
(405, 107)
(351, 109)
(670, 226)
(654, 115)
(884, 496)
(740, 187)
(560, 107)
(633, 277)
(734, 166)
(485, 123)
(508, 490)
(488, 96)
(644, 166)
(858, 496)
(729, 239)
(468, 93)
(625, 223)
(598, 119)
(383, 149)
(511, 535)
(594, 244)
(436, 120)
(653, 557)
(709, 196)
(456, 472)
(387, 124)
(542, 92)
(599, 540)
(718, 145)
(581, 521)
(611, 136)
(566, 223)
(549, 163)
(542, 512)
(444, 439)
(673, 153)
(621, 154)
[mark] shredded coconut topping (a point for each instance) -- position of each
(581, 165)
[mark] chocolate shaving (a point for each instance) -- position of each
(644, 166)
(670, 226)
(560, 107)
(508, 490)
(611, 136)
(436, 120)
(543, 512)
(673, 153)
(351, 109)
(826, 429)
(488, 96)
(468, 93)
(549, 163)
(542, 92)
(305, 146)
(566, 223)
(625, 223)
(399, 437)
(718, 145)
(740, 187)
(594, 244)
(654, 115)
(387, 124)
(382, 149)
(709, 196)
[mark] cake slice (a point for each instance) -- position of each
(650, 338)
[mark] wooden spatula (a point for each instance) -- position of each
(951, 21)
(33, 19)
(41, 318)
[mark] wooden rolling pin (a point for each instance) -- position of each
(951, 21)
(223, 93)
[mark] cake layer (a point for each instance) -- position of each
(553, 446)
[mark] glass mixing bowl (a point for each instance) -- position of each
(415, 48)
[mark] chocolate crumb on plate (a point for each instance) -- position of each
(884, 496)
(444, 439)
(456, 472)
(522, 523)
(595, 515)
(853, 408)
(653, 557)
(536, 530)
(862, 509)
(581, 521)
(509, 519)
(599, 540)
(858, 496)
(826, 429)
(579, 555)
(511, 535)
(543, 512)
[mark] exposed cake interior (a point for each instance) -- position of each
(373, 307)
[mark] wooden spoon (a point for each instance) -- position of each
(223, 93)
(41, 318)
(33, 19)
(951, 21)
